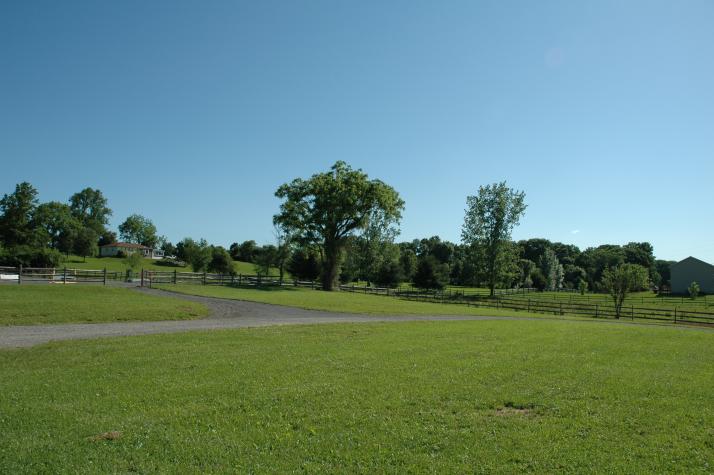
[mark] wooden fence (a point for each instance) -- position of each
(675, 314)
(63, 275)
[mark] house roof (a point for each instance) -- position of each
(693, 259)
(130, 245)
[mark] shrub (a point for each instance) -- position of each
(431, 274)
(693, 290)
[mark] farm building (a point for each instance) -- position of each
(692, 270)
(111, 250)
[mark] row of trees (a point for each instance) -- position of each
(38, 234)
(341, 225)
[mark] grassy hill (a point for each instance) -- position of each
(115, 264)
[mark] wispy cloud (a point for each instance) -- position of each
(575, 231)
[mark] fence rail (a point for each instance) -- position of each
(675, 314)
(63, 275)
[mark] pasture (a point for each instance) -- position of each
(447, 397)
(115, 264)
(331, 301)
(57, 303)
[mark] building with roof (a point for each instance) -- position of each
(113, 249)
(689, 270)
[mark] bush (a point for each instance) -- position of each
(389, 274)
(431, 274)
(693, 290)
(27, 256)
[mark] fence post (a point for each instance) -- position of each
(175, 276)
(204, 278)
(240, 279)
(561, 308)
(105, 276)
(529, 305)
(675, 314)
(632, 313)
(64, 275)
(596, 311)
(142, 276)
(19, 276)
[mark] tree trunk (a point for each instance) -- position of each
(332, 265)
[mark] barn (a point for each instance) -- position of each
(691, 269)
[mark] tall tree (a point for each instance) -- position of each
(17, 209)
(56, 225)
(85, 242)
(490, 218)
(139, 230)
(328, 208)
(552, 270)
(90, 207)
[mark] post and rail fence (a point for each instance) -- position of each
(510, 299)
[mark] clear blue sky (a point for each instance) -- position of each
(193, 113)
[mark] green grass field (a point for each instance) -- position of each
(636, 299)
(333, 301)
(43, 304)
(427, 397)
(114, 264)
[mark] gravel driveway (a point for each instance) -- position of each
(223, 314)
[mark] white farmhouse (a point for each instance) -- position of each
(111, 250)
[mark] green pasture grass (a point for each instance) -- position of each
(56, 303)
(116, 264)
(421, 397)
(336, 301)
(636, 299)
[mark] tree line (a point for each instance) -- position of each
(339, 226)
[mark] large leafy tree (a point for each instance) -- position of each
(139, 230)
(56, 225)
(329, 207)
(491, 215)
(89, 206)
(16, 212)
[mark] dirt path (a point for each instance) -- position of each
(223, 314)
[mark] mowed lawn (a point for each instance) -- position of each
(55, 303)
(421, 397)
(335, 301)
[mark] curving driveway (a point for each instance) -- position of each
(223, 314)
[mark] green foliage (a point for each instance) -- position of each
(389, 274)
(244, 252)
(430, 273)
(693, 290)
(29, 256)
(85, 242)
(552, 270)
(328, 208)
(196, 253)
(56, 226)
(490, 217)
(304, 264)
(265, 259)
(582, 286)
(16, 212)
(221, 262)
(621, 280)
(134, 260)
(139, 230)
(89, 206)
